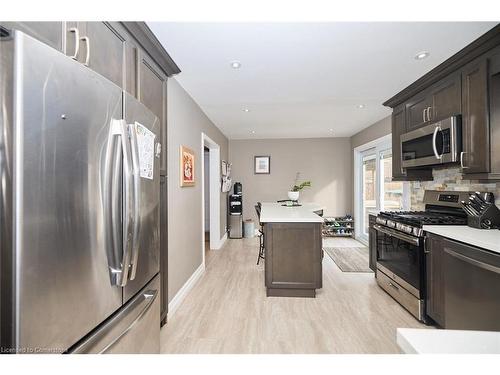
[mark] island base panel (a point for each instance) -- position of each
(282, 292)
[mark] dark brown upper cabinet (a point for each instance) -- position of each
(103, 50)
(467, 84)
(50, 33)
(475, 156)
(418, 111)
(152, 92)
(446, 98)
(440, 101)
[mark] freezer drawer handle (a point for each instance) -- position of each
(136, 205)
(112, 332)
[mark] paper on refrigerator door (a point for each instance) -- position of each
(146, 146)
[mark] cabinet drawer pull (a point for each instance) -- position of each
(393, 286)
(87, 43)
(462, 164)
(77, 42)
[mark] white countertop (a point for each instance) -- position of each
(488, 239)
(276, 213)
(446, 341)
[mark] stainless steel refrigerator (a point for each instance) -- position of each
(79, 214)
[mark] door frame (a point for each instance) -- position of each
(214, 183)
(379, 145)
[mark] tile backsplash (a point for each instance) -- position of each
(449, 179)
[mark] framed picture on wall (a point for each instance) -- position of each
(186, 167)
(262, 164)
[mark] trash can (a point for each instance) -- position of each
(248, 228)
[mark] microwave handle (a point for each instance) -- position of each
(434, 138)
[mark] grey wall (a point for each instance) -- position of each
(186, 122)
(374, 131)
(327, 162)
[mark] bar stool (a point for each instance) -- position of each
(258, 207)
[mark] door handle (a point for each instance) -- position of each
(77, 42)
(434, 146)
(462, 164)
(429, 114)
(87, 43)
(137, 196)
(423, 114)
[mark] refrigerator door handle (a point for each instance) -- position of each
(128, 202)
(137, 196)
(112, 248)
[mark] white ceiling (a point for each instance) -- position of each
(303, 79)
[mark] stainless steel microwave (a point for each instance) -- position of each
(437, 143)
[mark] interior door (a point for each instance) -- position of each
(63, 286)
(145, 127)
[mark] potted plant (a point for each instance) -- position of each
(294, 192)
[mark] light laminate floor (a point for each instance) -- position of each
(227, 311)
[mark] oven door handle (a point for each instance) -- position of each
(405, 237)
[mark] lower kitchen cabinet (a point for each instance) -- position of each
(472, 287)
(463, 285)
(434, 278)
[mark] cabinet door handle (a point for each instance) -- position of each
(462, 164)
(429, 115)
(77, 42)
(423, 114)
(87, 43)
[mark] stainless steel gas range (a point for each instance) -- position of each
(401, 246)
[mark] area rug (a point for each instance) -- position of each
(350, 259)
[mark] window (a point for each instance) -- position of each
(374, 189)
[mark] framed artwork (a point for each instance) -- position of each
(187, 167)
(262, 165)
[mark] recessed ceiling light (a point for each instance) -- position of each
(246, 110)
(253, 131)
(422, 55)
(361, 106)
(235, 64)
(331, 130)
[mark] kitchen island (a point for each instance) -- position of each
(293, 245)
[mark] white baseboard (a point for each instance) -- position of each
(222, 240)
(183, 292)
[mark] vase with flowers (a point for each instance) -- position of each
(297, 187)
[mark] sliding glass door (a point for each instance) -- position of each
(376, 191)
